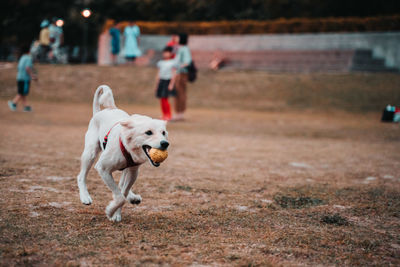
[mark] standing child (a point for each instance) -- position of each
(24, 76)
(165, 80)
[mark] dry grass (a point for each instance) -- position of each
(253, 90)
(241, 187)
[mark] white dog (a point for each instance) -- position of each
(125, 141)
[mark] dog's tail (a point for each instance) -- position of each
(104, 97)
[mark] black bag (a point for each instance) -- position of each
(192, 72)
(387, 116)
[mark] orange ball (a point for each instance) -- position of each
(158, 155)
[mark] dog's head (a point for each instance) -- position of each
(141, 133)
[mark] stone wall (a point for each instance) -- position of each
(382, 45)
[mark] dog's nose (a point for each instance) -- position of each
(164, 144)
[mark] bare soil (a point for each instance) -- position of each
(270, 185)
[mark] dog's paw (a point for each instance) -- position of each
(85, 199)
(116, 217)
(134, 199)
(114, 206)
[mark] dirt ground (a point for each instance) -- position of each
(241, 186)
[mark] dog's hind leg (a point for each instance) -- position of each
(89, 154)
(128, 178)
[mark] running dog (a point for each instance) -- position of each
(125, 142)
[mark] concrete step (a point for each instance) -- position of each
(295, 60)
(279, 60)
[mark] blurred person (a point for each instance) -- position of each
(115, 42)
(174, 43)
(183, 59)
(24, 76)
(166, 81)
(56, 39)
(131, 42)
(44, 41)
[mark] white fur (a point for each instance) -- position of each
(132, 130)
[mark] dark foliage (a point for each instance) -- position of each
(20, 19)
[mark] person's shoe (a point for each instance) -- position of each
(178, 117)
(12, 105)
(27, 109)
(166, 118)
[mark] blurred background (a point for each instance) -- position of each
(21, 19)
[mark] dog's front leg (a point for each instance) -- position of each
(118, 199)
(128, 178)
(126, 184)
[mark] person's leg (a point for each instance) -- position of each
(23, 100)
(24, 96)
(162, 108)
(12, 104)
(27, 108)
(16, 99)
(180, 97)
(178, 87)
(41, 53)
(184, 80)
(166, 109)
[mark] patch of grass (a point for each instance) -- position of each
(184, 188)
(335, 219)
(297, 202)
(5, 172)
(357, 92)
(369, 245)
(233, 257)
(379, 200)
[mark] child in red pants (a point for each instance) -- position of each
(165, 79)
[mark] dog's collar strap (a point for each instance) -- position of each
(127, 155)
(106, 137)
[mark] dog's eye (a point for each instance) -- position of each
(149, 132)
(163, 133)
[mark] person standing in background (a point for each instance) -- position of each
(174, 43)
(56, 39)
(44, 41)
(24, 76)
(165, 81)
(183, 58)
(131, 41)
(115, 43)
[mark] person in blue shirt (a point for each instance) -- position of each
(24, 76)
(115, 42)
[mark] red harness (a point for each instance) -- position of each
(125, 153)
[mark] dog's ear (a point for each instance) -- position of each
(127, 123)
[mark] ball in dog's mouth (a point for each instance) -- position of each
(156, 156)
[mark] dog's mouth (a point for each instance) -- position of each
(146, 150)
